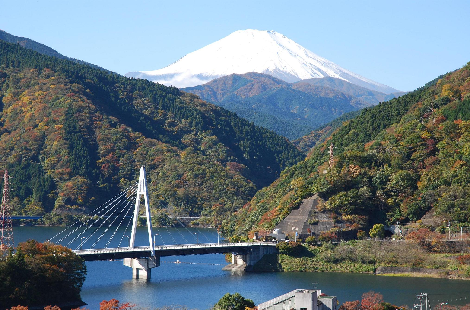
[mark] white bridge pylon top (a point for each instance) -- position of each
(142, 191)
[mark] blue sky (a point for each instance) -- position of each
(403, 44)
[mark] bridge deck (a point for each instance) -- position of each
(169, 250)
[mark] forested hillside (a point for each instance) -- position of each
(38, 47)
(307, 142)
(291, 110)
(395, 162)
(72, 136)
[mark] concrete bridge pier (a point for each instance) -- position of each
(142, 267)
(249, 259)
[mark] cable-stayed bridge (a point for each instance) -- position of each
(107, 234)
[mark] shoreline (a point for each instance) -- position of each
(285, 263)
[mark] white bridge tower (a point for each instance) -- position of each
(142, 191)
(141, 266)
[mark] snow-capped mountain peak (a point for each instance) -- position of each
(244, 51)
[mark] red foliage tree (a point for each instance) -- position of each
(429, 240)
(372, 301)
(114, 304)
(351, 305)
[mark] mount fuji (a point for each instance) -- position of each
(244, 51)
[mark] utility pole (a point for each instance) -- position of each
(6, 228)
(449, 230)
(420, 298)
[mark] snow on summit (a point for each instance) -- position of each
(258, 51)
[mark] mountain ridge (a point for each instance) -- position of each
(72, 135)
(251, 50)
(290, 109)
(394, 163)
(40, 48)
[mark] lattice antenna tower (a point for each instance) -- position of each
(6, 228)
(332, 158)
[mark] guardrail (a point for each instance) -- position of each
(166, 248)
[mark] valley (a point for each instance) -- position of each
(281, 140)
(378, 165)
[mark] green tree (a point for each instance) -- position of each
(41, 274)
(377, 231)
(233, 302)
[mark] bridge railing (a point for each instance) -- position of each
(171, 247)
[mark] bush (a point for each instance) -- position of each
(313, 221)
(234, 302)
(377, 231)
(328, 236)
(464, 259)
(290, 248)
(311, 240)
(41, 274)
(429, 240)
(361, 234)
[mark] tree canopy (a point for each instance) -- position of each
(234, 302)
(394, 162)
(72, 136)
(41, 274)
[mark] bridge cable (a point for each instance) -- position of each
(81, 221)
(125, 230)
(96, 210)
(185, 227)
(179, 231)
(170, 234)
(120, 223)
(198, 231)
(121, 211)
(113, 209)
(161, 237)
(104, 207)
(111, 224)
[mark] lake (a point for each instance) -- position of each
(198, 281)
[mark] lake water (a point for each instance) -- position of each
(198, 282)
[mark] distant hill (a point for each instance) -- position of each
(72, 136)
(319, 135)
(393, 163)
(291, 110)
(39, 47)
(365, 97)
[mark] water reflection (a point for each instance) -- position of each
(199, 282)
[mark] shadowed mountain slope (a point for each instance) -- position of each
(288, 109)
(72, 136)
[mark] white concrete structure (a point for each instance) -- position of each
(251, 257)
(278, 234)
(301, 299)
(327, 302)
(141, 266)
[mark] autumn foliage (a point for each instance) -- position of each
(394, 162)
(41, 274)
(426, 238)
(72, 136)
(370, 301)
(114, 304)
